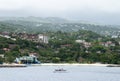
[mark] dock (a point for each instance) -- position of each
(12, 65)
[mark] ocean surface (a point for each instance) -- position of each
(72, 73)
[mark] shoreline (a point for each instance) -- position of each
(70, 64)
(60, 64)
(77, 64)
(12, 65)
(73, 64)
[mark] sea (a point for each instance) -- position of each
(70, 73)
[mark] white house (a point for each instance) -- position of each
(43, 38)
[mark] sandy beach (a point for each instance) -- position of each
(69, 64)
(59, 64)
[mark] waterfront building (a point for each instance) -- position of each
(27, 60)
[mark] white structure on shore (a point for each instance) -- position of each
(27, 60)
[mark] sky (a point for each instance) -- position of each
(98, 11)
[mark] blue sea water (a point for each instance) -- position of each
(73, 73)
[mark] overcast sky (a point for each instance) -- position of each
(100, 11)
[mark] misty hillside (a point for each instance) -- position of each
(38, 24)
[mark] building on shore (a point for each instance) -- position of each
(27, 60)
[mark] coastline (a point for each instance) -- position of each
(60, 64)
(70, 64)
(77, 64)
(12, 65)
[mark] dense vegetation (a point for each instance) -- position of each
(63, 48)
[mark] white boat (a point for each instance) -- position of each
(60, 70)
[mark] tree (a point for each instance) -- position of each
(55, 59)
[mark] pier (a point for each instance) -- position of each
(12, 65)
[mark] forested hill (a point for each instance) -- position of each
(37, 25)
(64, 47)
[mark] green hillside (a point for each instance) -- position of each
(63, 48)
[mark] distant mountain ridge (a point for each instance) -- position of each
(35, 19)
(53, 24)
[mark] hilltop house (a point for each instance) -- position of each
(32, 37)
(107, 44)
(86, 44)
(42, 38)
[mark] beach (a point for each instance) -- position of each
(60, 64)
(70, 64)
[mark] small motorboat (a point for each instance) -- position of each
(60, 70)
